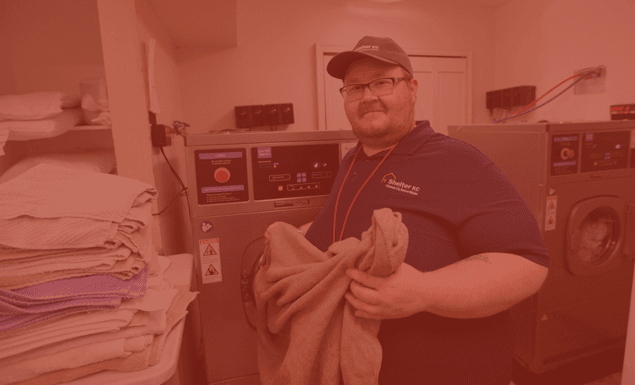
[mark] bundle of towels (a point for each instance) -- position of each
(37, 115)
(81, 286)
(307, 332)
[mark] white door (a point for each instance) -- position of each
(441, 97)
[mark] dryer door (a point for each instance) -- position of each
(595, 235)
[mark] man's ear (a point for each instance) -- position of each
(414, 87)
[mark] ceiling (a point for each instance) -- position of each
(212, 23)
(198, 23)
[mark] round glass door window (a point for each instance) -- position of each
(594, 241)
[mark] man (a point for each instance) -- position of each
(474, 250)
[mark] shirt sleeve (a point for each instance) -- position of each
(495, 218)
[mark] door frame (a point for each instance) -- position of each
(322, 49)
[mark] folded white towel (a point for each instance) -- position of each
(47, 191)
(35, 105)
(45, 128)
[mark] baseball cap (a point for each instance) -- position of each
(381, 48)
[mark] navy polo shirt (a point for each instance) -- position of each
(455, 203)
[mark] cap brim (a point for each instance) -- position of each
(338, 66)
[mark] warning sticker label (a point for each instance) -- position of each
(209, 253)
(211, 270)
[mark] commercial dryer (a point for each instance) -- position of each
(578, 179)
(239, 184)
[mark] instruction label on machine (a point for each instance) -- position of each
(550, 212)
(209, 252)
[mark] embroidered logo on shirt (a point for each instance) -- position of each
(391, 182)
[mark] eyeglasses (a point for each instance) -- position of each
(379, 87)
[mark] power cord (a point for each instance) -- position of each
(180, 129)
(520, 113)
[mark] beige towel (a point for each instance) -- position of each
(124, 269)
(47, 191)
(104, 261)
(70, 327)
(307, 331)
(135, 361)
(26, 232)
(73, 358)
(12, 254)
(143, 323)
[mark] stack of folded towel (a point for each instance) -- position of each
(81, 287)
(37, 115)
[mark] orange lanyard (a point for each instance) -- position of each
(360, 190)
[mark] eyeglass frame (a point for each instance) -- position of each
(394, 81)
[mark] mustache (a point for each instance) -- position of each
(370, 107)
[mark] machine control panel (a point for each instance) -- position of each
(605, 150)
(294, 171)
(593, 151)
(221, 176)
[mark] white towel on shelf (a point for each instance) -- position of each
(36, 105)
(44, 128)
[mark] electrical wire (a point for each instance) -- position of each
(184, 191)
(520, 113)
(545, 94)
(173, 199)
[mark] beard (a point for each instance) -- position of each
(382, 131)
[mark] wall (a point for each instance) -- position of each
(275, 60)
(542, 42)
(174, 225)
(52, 45)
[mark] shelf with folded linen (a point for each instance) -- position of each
(44, 115)
(81, 286)
(86, 127)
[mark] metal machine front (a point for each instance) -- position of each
(578, 179)
(239, 185)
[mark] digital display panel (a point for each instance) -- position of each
(294, 171)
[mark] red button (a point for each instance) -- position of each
(222, 175)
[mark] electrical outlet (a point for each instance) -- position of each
(593, 83)
(286, 113)
(272, 112)
(258, 117)
(243, 116)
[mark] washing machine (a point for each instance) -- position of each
(239, 184)
(579, 181)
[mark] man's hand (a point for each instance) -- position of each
(395, 296)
